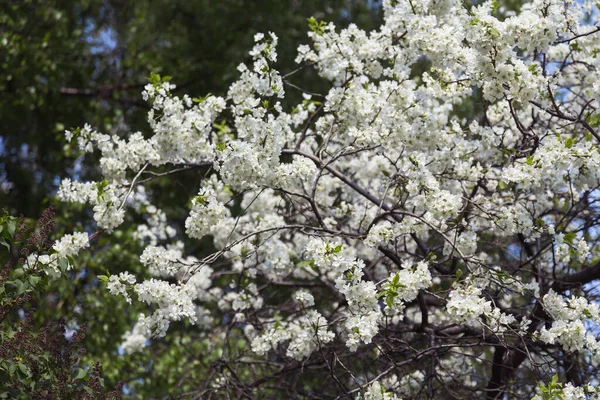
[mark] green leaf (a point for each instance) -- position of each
(34, 280)
(569, 142)
(539, 222)
(23, 368)
(474, 21)
(220, 146)
(154, 78)
(201, 99)
(221, 127)
(574, 46)
(593, 120)
(493, 32)
(569, 237)
(63, 264)
(413, 160)
(458, 274)
(81, 372)
(533, 68)
(20, 286)
(309, 263)
(317, 27)
(389, 301)
(11, 225)
(529, 160)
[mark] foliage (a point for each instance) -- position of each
(38, 364)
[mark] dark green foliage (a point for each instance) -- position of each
(38, 363)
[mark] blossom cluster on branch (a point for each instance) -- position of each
(378, 233)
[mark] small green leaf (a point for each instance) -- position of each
(221, 146)
(413, 160)
(493, 32)
(201, 99)
(474, 21)
(458, 274)
(81, 372)
(569, 237)
(11, 225)
(574, 46)
(569, 142)
(34, 280)
(532, 68)
(23, 368)
(154, 78)
(20, 286)
(539, 222)
(529, 160)
(63, 264)
(389, 301)
(593, 120)
(317, 27)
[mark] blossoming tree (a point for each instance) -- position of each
(376, 241)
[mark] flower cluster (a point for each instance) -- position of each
(568, 326)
